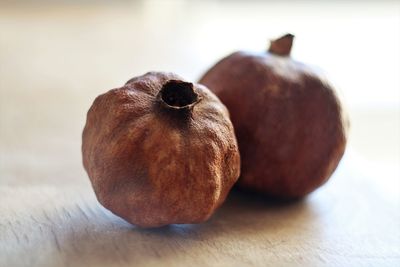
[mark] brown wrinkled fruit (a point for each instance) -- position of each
(288, 120)
(160, 150)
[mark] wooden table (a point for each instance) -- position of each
(55, 60)
(347, 223)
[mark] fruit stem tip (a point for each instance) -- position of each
(282, 46)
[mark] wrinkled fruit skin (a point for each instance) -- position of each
(154, 165)
(288, 120)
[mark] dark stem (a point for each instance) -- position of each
(282, 46)
(176, 94)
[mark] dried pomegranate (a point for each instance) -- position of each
(289, 122)
(160, 150)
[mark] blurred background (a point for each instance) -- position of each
(57, 56)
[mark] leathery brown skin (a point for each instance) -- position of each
(288, 120)
(153, 163)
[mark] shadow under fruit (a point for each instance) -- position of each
(288, 120)
(160, 150)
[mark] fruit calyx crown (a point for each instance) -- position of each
(177, 94)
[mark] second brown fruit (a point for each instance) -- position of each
(289, 121)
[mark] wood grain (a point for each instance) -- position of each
(54, 60)
(347, 223)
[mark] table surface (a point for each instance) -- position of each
(55, 60)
